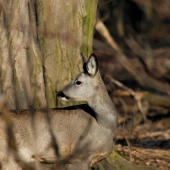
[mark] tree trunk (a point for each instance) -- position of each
(40, 47)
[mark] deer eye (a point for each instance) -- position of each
(78, 82)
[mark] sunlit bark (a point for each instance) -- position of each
(40, 43)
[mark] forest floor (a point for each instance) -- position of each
(155, 135)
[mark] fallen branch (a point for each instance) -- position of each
(153, 99)
(147, 156)
(140, 76)
(165, 133)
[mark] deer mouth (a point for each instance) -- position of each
(62, 96)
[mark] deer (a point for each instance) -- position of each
(84, 133)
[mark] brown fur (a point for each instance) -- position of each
(83, 134)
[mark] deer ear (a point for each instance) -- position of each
(92, 65)
(83, 58)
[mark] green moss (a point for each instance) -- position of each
(41, 42)
(36, 104)
(119, 162)
(88, 26)
(39, 9)
(50, 93)
(118, 152)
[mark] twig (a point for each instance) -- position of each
(121, 85)
(137, 96)
(165, 133)
(124, 105)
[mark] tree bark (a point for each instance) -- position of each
(40, 47)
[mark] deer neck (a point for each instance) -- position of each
(105, 111)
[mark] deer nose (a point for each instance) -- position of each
(61, 94)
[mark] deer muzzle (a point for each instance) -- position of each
(62, 96)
